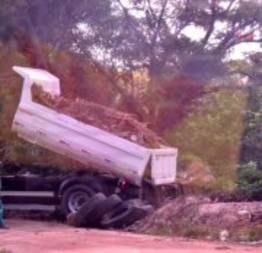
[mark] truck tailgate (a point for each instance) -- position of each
(163, 165)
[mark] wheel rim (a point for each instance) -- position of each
(76, 200)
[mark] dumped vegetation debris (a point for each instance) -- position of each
(121, 124)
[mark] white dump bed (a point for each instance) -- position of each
(87, 144)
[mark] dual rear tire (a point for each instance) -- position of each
(108, 212)
(126, 214)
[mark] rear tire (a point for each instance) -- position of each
(84, 215)
(74, 197)
(102, 208)
(126, 214)
(118, 217)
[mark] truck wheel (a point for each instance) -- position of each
(125, 215)
(138, 214)
(84, 215)
(74, 197)
(118, 217)
(96, 214)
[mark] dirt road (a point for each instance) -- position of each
(49, 237)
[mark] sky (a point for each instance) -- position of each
(237, 53)
(196, 33)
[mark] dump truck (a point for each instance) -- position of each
(111, 164)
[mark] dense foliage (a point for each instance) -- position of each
(250, 181)
(252, 139)
(209, 140)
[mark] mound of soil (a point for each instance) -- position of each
(121, 124)
(191, 215)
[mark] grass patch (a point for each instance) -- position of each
(200, 231)
(186, 230)
(251, 234)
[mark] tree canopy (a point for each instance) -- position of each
(161, 35)
(168, 62)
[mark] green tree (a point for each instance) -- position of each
(128, 35)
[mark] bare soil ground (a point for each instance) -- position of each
(24, 236)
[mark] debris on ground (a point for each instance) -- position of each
(121, 124)
(198, 216)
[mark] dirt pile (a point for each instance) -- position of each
(198, 216)
(165, 217)
(121, 124)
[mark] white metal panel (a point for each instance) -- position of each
(27, 193)
(81, 142)
(49, 82)
(163, 165)
(47, 114)
(28, 207)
